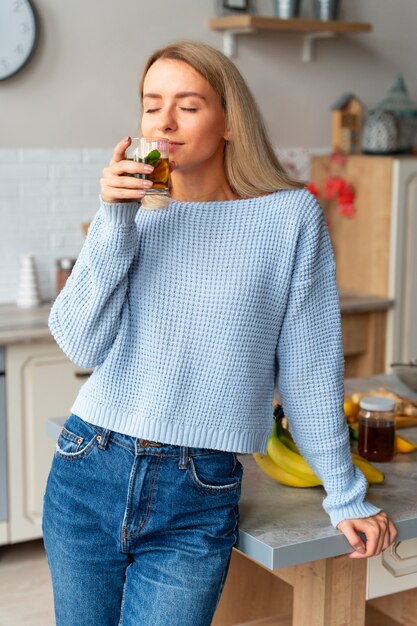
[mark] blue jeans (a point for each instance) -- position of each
(136, 532)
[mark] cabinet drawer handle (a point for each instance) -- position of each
(397, 564)
(82, 374)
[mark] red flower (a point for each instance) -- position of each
(313, 189)
(338, 189)
(333, 186)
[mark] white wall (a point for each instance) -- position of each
(46, 195)
(61, 115)
(80, 90)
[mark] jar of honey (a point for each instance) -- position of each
(376, 429)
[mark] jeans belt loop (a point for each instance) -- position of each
(103, 438)
(183, 464)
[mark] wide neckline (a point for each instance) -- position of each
(232, 202)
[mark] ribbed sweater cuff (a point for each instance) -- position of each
(354, 510)
(120, 213)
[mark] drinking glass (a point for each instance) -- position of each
(154, 151)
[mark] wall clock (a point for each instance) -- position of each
(18, 35)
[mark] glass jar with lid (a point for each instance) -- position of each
(376, 428)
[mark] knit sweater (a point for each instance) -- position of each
(190, 314)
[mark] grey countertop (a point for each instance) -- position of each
(282, 526)
(18, 325)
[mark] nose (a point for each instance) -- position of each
(166, 121)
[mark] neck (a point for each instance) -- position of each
(200, 186)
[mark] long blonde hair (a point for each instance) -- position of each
(251, 165)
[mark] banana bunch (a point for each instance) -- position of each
(284, 463)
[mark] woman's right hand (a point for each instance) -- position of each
(116, 185)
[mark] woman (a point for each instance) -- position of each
(188, 314)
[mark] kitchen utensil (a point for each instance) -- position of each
(28, 292)
(407, 373)
(287, 9)
(399, 104)
(380, 133)
(326, 9)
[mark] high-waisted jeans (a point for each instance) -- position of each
(136, 532)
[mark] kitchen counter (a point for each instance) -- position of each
(290, 567)
(274, 528)
(354, 302)
(18, 324)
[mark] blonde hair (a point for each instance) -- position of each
(251, 165)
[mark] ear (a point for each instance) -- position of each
(227, 135)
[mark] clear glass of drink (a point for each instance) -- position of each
(154, 151)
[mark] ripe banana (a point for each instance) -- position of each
(284, 463)
(290, 461)
(286, 438)
(401, 444)
(276, 472)
(371, 473)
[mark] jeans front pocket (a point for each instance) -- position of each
(76, 440)
(215, 472)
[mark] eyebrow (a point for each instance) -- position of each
(182, 94)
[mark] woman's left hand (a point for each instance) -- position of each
(379, 531)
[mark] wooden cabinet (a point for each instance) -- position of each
(376, 251)
(333, 591)
(364, 342)
(41, 383)
(361, 244)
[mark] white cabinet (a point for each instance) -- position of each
(402, 320)
(41, 383)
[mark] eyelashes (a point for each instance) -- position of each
(188, 109)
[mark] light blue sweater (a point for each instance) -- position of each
(188, 315)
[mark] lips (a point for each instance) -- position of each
(173, 145)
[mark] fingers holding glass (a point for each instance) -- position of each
(125, 181)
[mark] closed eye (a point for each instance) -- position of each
(151, 110)
(191, 110)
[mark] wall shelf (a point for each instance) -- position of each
(234, 25)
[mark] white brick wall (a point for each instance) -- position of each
(45, 195)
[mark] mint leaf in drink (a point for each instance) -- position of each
(153, 157)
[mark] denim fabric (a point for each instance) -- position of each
(137, 533)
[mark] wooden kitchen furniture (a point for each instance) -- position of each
(364, 330)
(41, 382)
(290, 568)
(376, 250)
(233, 25)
